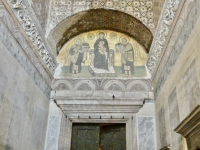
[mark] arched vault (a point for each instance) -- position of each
(96, 19)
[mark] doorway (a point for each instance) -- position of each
(98, 136)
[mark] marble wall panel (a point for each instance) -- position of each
(146, 133)
(162, 127)
(23, 85)
(16, 50)
(62, 142)
(37, 130)
(65, 133)
(3, 84)
(15, 42)
(177, 90)
(188, 26)
(53, 131)
(18, 120)
(174, 120)
(191, 88)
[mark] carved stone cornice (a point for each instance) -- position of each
(31, 31)
(100, 95)
(162, 34)
(189, 123)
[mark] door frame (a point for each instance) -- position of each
(131, 126)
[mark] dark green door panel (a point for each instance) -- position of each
(113, 137)
(98, 137)
(85, 137)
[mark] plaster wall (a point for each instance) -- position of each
(179, 94)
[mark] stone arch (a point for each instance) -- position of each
(137, 85)
(84, 85)
(62, 85)
(110, 19)
(117, 84)
(131, 8)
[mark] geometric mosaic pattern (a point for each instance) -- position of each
(140, 9)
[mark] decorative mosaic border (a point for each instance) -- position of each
(61, 9)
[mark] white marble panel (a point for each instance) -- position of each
(146, 133)
(3, 84)
(53, 131)
(38, 128)
(18, 121)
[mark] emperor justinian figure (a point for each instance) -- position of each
(78, 53)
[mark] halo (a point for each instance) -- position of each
(113, 35)
(127, 38)
(90, 36)
(80, 37)
(103, 32)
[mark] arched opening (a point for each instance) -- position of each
(101, 54)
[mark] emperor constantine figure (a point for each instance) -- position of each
(127, 56)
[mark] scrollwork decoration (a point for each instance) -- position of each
(31, 31)
(162, 34)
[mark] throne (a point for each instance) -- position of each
(101, 72)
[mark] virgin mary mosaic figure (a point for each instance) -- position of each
(101, 52)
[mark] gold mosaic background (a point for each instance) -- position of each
(113, 38)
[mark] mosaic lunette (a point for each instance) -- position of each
(102, 53)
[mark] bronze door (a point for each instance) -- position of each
(113, 137)
(85, 137)
(98, 137)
